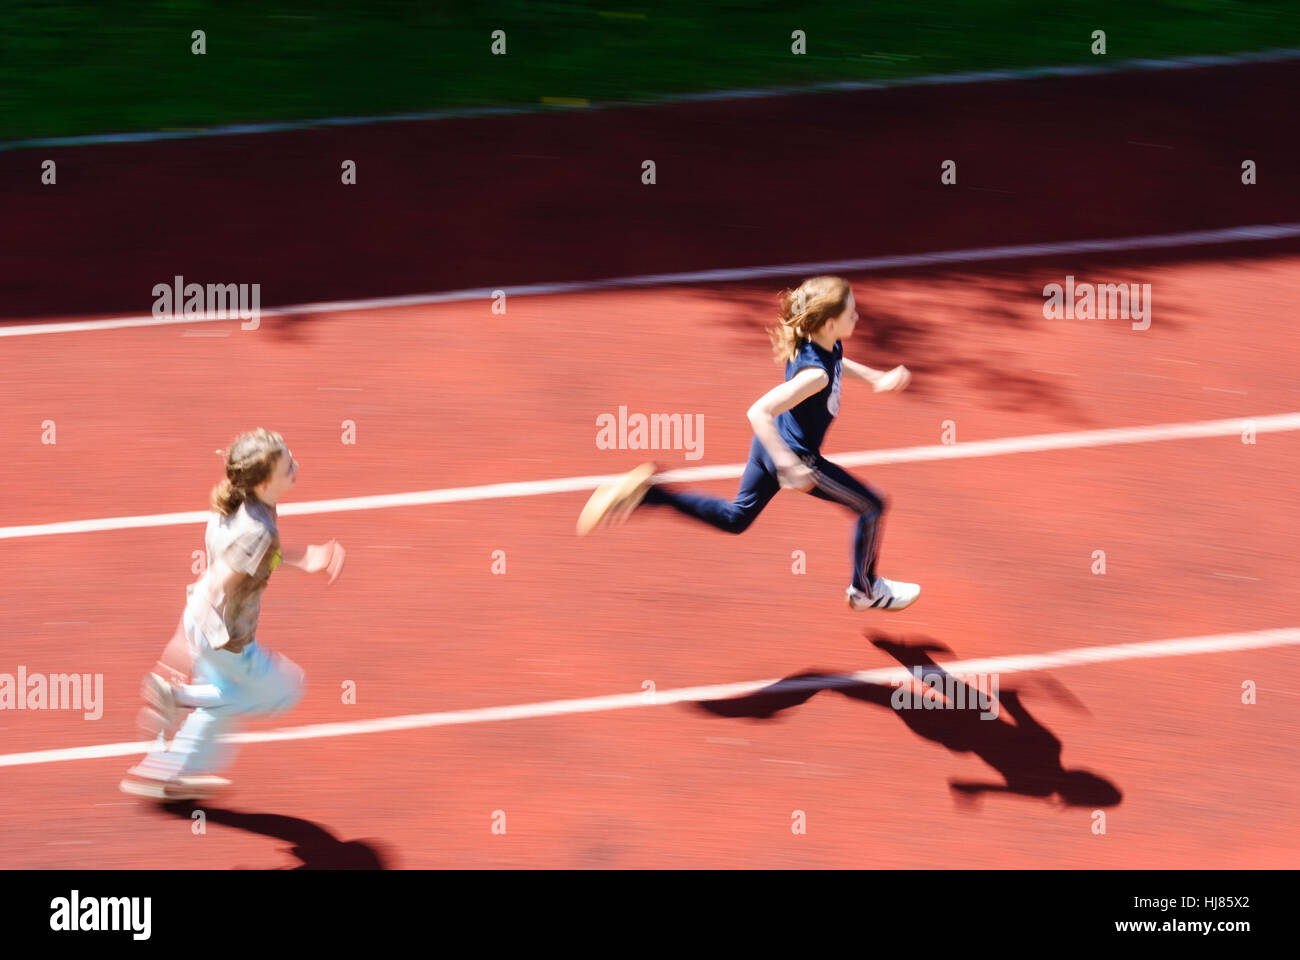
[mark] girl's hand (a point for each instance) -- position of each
(893, 380)
(795, 476)
(328, 557)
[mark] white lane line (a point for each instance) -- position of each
(1273, 231)
(1198, 61)
(1020, 663)
(531, 488)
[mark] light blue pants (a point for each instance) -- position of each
(226, 686)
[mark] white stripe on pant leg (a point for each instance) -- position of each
(871, 550)
(877, 508)
(845, 495)
(848, 496)
(870, 553)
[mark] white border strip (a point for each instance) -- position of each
(1198, 61)
(1256, 232)
(1022, 663)
(1035, 443)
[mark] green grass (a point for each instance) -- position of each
(110, 66)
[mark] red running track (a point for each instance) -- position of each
(1195, 533)
(1198, 534)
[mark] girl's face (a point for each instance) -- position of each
(282, 478)
(846, 321)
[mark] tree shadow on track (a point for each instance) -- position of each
(960, 327)
(940, 360)
(1026, 754)
(314, 846)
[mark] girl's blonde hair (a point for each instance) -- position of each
(250, 461)
(805, 310)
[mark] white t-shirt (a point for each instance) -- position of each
(247, 541)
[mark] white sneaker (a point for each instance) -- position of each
(884, 595)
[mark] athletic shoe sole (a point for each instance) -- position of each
(612, 502)
(178, 788)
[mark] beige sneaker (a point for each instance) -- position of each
(177, 788)
(613, 502)
(161, 713)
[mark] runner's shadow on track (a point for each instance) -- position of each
(314, 846)
(1025, 753)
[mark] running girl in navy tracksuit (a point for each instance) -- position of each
(790, 422)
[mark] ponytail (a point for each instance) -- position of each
(226, 497)
(805, 310)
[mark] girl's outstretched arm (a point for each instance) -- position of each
(895, 379)
(313, 559)
(762, 416)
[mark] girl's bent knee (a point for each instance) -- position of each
(741, 523)
(289, 688)
(297, 685)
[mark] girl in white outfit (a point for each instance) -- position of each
(233, 675)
